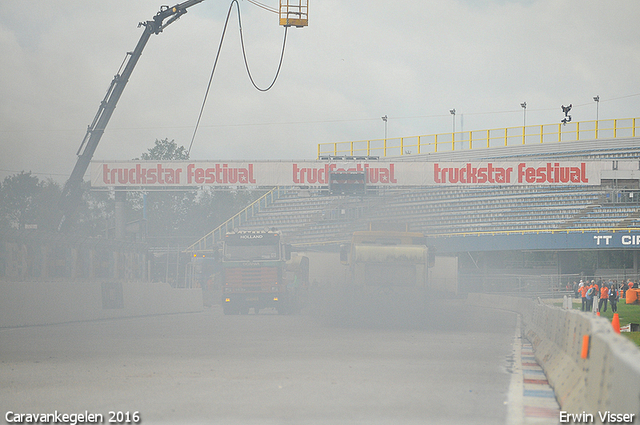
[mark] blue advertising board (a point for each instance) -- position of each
(532, 241)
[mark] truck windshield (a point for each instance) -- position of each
(250, 252)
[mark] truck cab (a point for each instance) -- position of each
(257, 272)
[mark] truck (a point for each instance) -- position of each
(390, 259)
(385, 261)
(258, 271)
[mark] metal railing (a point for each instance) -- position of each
(208, 242)
(482, 139)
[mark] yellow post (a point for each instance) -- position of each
(419, 142)
(577, 130)
(401, 146)
(435, 149)
(541, 133)
(351, 149)
(505, 137)
(488, 138)
(524, 133)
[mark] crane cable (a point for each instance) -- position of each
(246, 64)
(263, 6)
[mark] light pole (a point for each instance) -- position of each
(596, 98)
(385, 126)
(524, 113)
(453, 113)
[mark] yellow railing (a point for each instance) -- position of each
(208, 242)
(482, 139)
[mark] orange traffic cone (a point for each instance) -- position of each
(615, 322)
(597, 313)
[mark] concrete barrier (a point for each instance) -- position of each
(608, 379)
(45, 303)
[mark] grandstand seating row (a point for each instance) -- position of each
(438, 210)
(308, 217)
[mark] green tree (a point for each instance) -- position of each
(165, 150)
(215, 206)
(18, 195)
(27, 200)
(95, 212)
(166, 211)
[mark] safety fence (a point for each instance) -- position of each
(589, 366)
(483, 139)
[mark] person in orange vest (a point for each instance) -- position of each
(583, 292)
(604, 297)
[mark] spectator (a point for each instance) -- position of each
(604, 297)
(613, 298)
(582, 289)
(596, 295)
(589, 295)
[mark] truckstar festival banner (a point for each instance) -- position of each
(149, 174)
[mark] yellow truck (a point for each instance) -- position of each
(381, 260)
(384, 261)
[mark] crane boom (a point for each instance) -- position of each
(72, 192)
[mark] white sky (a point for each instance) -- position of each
(355, 62)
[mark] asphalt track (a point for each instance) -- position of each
(444, 364)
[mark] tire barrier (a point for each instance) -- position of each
(606, 379)
(47, 303)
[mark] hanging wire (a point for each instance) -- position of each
(246, 64)
(264, 6)
(244, 55)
